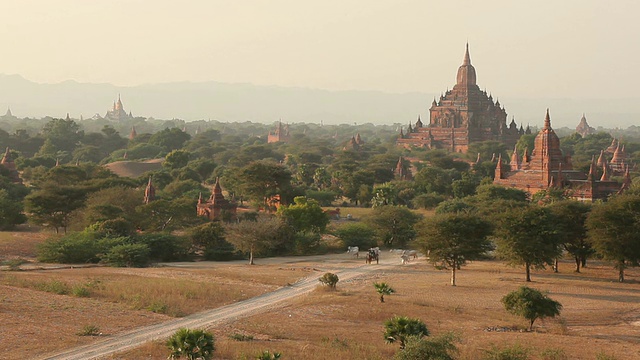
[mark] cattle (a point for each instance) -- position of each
(354, 251)
(404, 258)
(411, 253)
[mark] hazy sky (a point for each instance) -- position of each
(548, 48)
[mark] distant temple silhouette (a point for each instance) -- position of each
(117, 113)
(280, 134)
(583, 128)
(462, 116)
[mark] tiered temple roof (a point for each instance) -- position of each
(547, 167)
(462, 115)
(213, 207)
(583, 127)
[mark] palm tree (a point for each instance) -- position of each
(192, 344)
(383, 289)
(399, 328)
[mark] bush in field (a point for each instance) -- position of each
(127, 255)
(437, 348)
(515, 352)
(329, 279)
(164, 247)
(268, 355)
(400, 328)
(191, 344)
(76, 248)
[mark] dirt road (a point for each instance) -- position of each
(210, 318)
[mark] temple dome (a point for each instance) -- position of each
(466, 71)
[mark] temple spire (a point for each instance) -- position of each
(149, 192)
(467, 58)
(547, 120)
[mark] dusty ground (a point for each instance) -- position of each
(599, 315)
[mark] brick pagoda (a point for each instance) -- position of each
(546, 167)
(462, 115)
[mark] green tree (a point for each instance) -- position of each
(384, 194)
(433, 348)
(166, 215)
(10, 211)
(191, 344)
(529, 237)
(254, 237)
(571, 216)
(170, 139)
(383, 289)
(356, 234)
(262, 180)
(304, 215)
(210, 239)
(400, 328)
(53, 205)
(613, 231)
(453, 239)
(530, 304)
(176, 159)
(61, 136)
(393, 224)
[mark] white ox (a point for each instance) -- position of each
(354, 251)
(411, 253)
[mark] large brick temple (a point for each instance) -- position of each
(462, 115)
(546, 167)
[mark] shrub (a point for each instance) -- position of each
(55, 286)
(158, 307)
(438, 348)
(74, 248)
(240, 337)
(14, 264)
(192, 344)
(267, 355)
(400, 328)
(127, 255)
(515, 352)
(553, 354)
(164, 247)
(329, 279)
(89, 330)
(80, 291)
(603, 356)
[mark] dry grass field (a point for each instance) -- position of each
(600, 316)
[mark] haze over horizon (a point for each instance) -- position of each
(580, 50)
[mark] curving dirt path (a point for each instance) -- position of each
(209, 318)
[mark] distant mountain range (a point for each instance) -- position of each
(266, 104)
